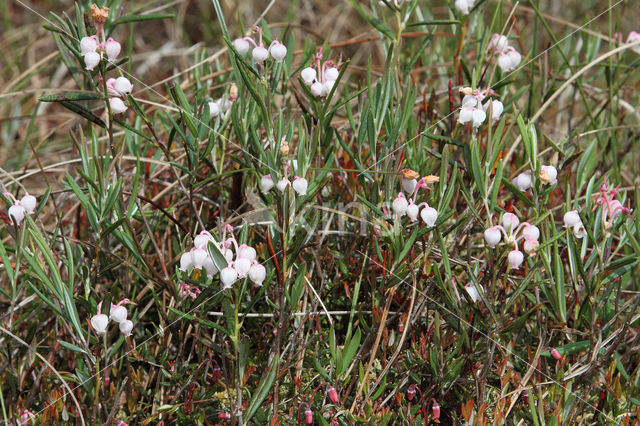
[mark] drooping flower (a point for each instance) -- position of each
(241, 45)
(492, 236)
(611, 208)
(99, 323)
(266, 183)
(187, 290)
(515, 258)
(571, 219)
(88, 44)
(117, 106)
(523, 181)
(300, 185)
(400, 205)
(112, 49)
(472, 111)
(429, 215)
(282, 184)
(464, 6)
(548, 175)
(17, 213)
(472, 291)
(277, 50)
(257, 273)
(126, 327)
(91, 60)
(320, 82)
(228, 276)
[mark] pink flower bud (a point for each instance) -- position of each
(435, 409)
(117, 106)
(333, 394)
(112, 49)
(88, 44)
(242, 266)
(400, 205)
(99, 323)
(510, 222)
(241, 45)
(571, 218)
(308, 75)
(515, 258)
(91, 59)
(492, 236)
(316, 89)
(411, 392)
(118, 313)
(257, 274)
(429, 215)
(17, 212)
(523, 181)
(556, 354)
(29, 203)
(300, 185)
(266, 183)
(224, 416)
(308, 416)
(331, 74)
(228, 276)
(259, 54)
(186, 261)
(282, 184)
(123, 86)
(278, 51)
(126, 327)
(531, 232)
(246, 252)
(412, 211)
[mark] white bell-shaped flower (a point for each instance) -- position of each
(88, 44)
(186, 261)
(257, 273)
(241, 45)
(123, 86)
(278, 51)
(199, 256)
(118, 313)
(259, 54)
(429, 215)
(91, 59)
(515, 259)
(400, 205)
(412, 211)
(571, 219)
(112, 49)
(308, 75)
(117, 106)
(242, 266)
(266, 183)
(228, 276)
(99, 323)
(510, 221)
(492, 236)
(523, 181)
(17, 212)
(126, 327)
(246, 252)
(300, 185)
(29, 203)
(282, 184)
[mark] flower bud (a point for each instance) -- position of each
(411, 392)
(266, 183)
(29, 203)
(186, 261)
(492, 236)
(556, 354)
(515, 259)
(472, 291)
(112, 49)
(99, 323)
(259, 54)
(198, 256)
(88, 44)
(571, 219)
(548, 175)
(308, 416)
(118, 313)
(510, 222)
(257, 274)
(117, 106)
(278, 51)
(400, 205)
(125, 327)
(17, 212)
(316, 89)
(241, 45)
(224, 416)
(412, 211)
(246, 252)
(333, 394)
(202, 240)
(531, 232)
(214, 109)
(523, 181)
(91, 59)
(242, 266)
(228, 276)
(123, 86)
(435, 409)
(308, 75)
(331, 74)
(464, 6)
(282, 184)
(300, 185)
(284, 148)
(531, 246)
(429, 215)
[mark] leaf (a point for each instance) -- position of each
(350, 351)
(71, 97)
(263, 390)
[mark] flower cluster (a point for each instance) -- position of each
(611, 208)
(245, 263)
(187, 290)
(634, 37)
(219, 107)
(260, 53)
(548, 176)
(508, 57)
(474, 111)
(464, 6)
(93, 50)
(321, 79)
(510, 227)
(299, 184)
(402, 206)
(117, 313)
(26, 205)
